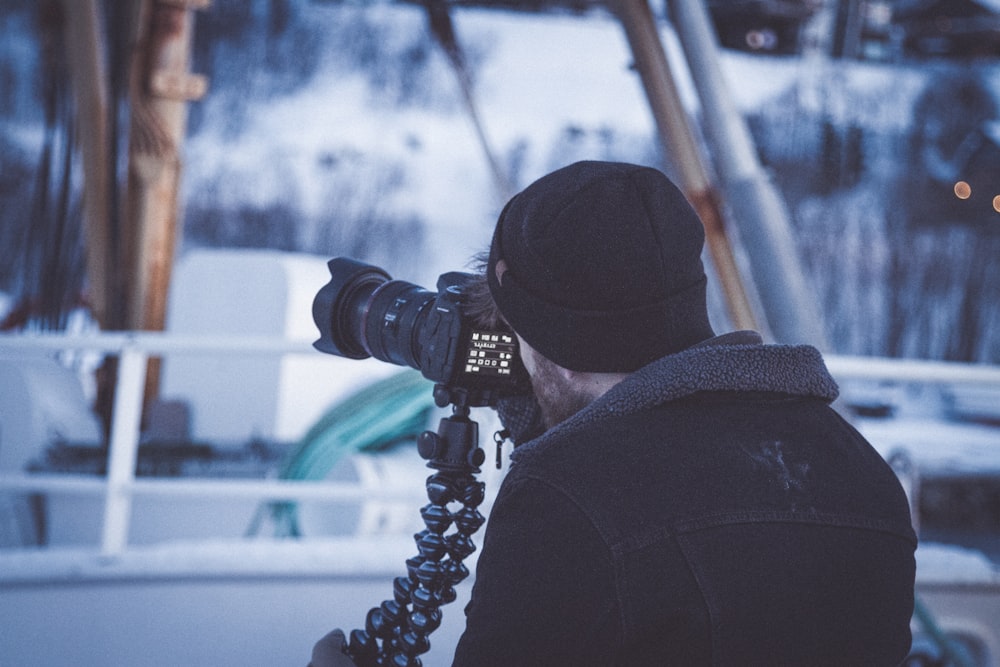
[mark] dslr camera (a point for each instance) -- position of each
(362, 312)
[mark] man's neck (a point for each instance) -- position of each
(596, 385)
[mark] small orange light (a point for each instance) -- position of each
(963, 190)
(996, 203)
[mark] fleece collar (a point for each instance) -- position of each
(737, 361)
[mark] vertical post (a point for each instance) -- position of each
(679, 144)
(847, 29)
(763, 220)
(123, 449)
(84, 40)
(160, 88)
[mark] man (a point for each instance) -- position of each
(693, 499)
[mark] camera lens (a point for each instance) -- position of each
(362, 312)
(392, 320)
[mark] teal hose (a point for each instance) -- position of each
(373, 419)
(953, 653)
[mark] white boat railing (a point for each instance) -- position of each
(134, 350)
(120, 485)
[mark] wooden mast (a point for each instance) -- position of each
(678, 141)
(82, 31)
(160, 86)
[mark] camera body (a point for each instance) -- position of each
(362, 312)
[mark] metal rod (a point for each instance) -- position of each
(763, 222)
(123, 449)
(912, 370)
(154, 342)
(255, 489)
(841, 366)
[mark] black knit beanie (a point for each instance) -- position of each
(604, 269)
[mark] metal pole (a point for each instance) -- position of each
(679, 145)
(763, 220)
(123, 450)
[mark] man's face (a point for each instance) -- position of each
(558, 397)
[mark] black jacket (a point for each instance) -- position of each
(712, 509)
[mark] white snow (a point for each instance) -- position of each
(543, 74)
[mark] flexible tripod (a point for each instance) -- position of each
(396, 632)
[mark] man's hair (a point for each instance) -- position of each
(480, 305)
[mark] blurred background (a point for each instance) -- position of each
(175, 459)
(341, 129)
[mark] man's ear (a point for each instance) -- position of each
(501, 268)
